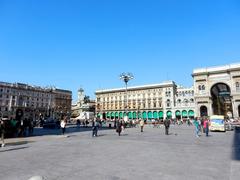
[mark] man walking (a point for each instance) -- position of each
(206, 126)
(95, 126)
(167, 125)
(119, 127)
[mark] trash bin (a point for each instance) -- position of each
(110, 125)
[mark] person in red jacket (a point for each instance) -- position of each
(206, 126)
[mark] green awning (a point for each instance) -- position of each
(160, 114)
(155, 115)
(108, 114)
(130, 115)
(144, 115)
(178, 113)
(124, 114)
(191, 113)
(113, 114)
(99, 115)
(184, 113)
(169, 113)
(121, 115)
(116, 114)
(150, 115)
(134, 115)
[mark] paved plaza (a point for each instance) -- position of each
(134, 155)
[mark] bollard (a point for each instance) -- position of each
(37, 178)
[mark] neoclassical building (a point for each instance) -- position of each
(158, 101)
(217, 90)
(34, 101)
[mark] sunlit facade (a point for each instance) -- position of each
(156, 101)
(217, 90)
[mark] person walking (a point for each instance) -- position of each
(63, 125)
(119, 127)
(196, 124)
(2, 131)
(206, 126)
(141, 124)
(167, 125)
(95, 126)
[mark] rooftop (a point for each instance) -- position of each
(216, 69)
(163, 84)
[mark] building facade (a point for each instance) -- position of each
(156, 101)
(33, 101)
(217, 91)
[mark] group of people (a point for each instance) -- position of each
(15, 128)
(201, 126)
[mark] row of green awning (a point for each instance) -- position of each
(149, 114)
(184, 113)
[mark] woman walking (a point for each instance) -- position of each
(63, 125)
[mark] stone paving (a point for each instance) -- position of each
(134, 155)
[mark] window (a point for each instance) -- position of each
(237, 86)
(154, 104)
(168, 103)
(203, 87)
(199, 87)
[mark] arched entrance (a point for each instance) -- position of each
(178, 114)
(203, 111)
(169, 114)
(221, 99)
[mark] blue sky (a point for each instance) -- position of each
(88, 43)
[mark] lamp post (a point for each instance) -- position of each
(126, 77)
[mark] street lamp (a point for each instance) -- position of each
(126, 77)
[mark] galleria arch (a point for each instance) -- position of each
(217, 91)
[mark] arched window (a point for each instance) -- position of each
(203, 87)
(191, 100)
(185, 102)
(199, 87)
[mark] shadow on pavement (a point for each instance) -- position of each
(236, 144)
(18, 143)
(13, 149)
(69, 130)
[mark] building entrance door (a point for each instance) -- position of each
(221, 99)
